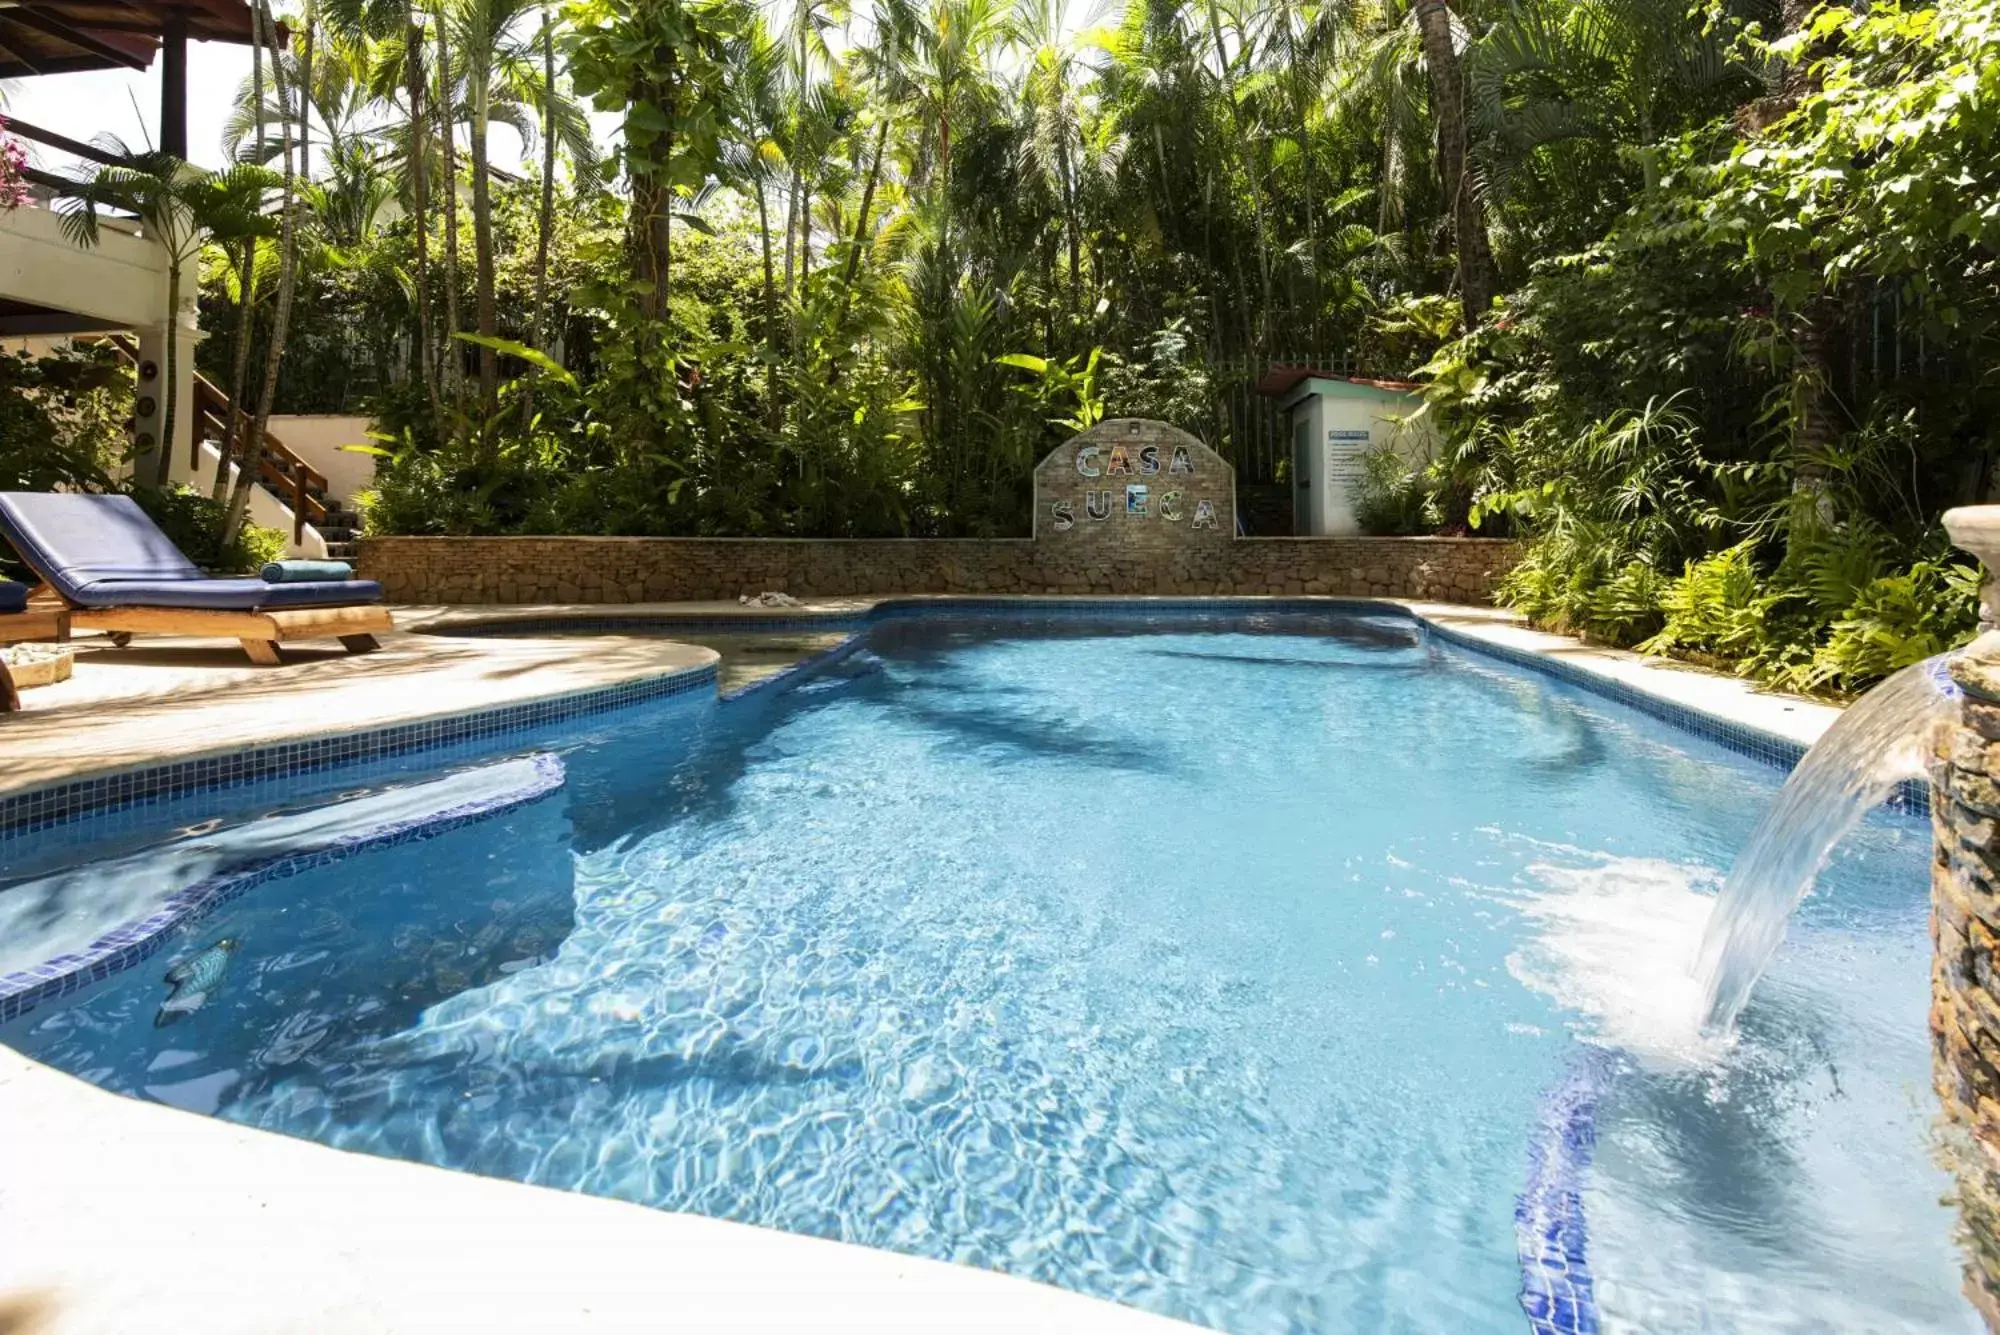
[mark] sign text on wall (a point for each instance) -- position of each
(1109, 461)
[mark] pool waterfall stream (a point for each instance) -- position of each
(1875, 745)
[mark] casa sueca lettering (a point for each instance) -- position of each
(1099, 463)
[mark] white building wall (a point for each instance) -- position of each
(1343, 422)
(118, 284)
(319, 438)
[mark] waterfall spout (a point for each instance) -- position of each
(1877, 743)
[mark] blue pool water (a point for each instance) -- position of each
(1281, 974)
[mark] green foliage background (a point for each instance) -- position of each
(855, 269)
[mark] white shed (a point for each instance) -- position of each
(1334, 421)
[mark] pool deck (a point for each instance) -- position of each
(118, 1215)
(122, 1216)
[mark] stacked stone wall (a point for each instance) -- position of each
(631, 570)
(1965, 968)
(1130, 506)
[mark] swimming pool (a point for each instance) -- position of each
(1277, 972)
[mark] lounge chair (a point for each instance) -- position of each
(109, 565)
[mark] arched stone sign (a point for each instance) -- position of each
(1132, 488)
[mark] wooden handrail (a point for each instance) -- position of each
(281, 470)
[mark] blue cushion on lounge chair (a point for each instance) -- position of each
(232, 594)
(103, 551)
(13, 597)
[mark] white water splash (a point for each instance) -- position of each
(1616, 941)
(1873, 746)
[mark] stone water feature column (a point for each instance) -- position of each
(1964, 763)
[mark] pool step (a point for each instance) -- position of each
(61, 932)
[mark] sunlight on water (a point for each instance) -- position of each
(1224, 970)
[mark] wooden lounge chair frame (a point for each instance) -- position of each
(260, 633)
(36, 623)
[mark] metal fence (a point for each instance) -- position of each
(1250, 428)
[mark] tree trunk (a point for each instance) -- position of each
(653, 201)
(239, 368)
(447, 115)
(1478, 278)
(170, 395)
(482, 256)
(791, 227)
(773, 408)
(307, 23)
(232, 431)
(1262, 335)
(413, 79)
(545, 222)
(281, 315)
(853, 269)
(1814, 424)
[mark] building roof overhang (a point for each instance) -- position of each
(1280, 381)
(64, 36)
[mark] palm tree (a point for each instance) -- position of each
(1478, 278)
(753, 157)
(545, 216)
(183, 208)
(265, 29)
(387, 39)
(1053, 108)
(483, 31)
(808, 58)
(952, 86)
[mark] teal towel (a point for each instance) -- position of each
(306, 572)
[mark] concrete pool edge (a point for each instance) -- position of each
(92, 792)
(201, 1223)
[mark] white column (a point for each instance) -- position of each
(150, 403)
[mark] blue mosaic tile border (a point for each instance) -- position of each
(1557, 1291)
(129, 944)
(38, 809)
(1912, 795)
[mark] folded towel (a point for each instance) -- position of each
(306, 572)
(13, 597)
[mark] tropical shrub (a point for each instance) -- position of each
(193, 523)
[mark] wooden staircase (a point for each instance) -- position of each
(340, 528)
(280, 472)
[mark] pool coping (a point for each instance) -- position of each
(1773, 727)
(131, 1214)
(104, 790)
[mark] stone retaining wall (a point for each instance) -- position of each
(1965, 959)
(627, 570)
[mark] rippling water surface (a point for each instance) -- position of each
(1227, 970)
